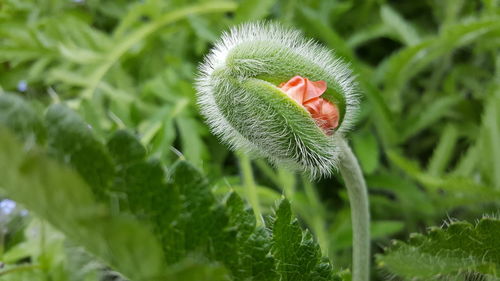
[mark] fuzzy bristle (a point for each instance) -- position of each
(272, 146)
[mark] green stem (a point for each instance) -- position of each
(360, 214)
(287, 182)
(250, 186)
(318, 217)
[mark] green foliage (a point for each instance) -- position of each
(297, 255)
(427, 134)
(51, 257)
(140, 219)
(59, 195)
(453, 253)
(20, 117)
(72, 141)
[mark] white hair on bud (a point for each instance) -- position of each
(308, 160)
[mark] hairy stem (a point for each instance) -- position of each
(360, 214)
(250, 187)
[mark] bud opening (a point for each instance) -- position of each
(307, 93)
(297, 123)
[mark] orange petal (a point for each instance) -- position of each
(314, 89)
(307, 93)
(302, 89)
(295, 88)
(324, 113)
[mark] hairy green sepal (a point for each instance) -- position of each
(277, 65)
(264, 114)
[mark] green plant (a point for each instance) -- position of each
(460, 251)
(124, 210)
(246, 105)
(426, 134)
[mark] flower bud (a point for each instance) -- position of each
(267, 90)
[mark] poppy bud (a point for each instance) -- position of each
(267, 90)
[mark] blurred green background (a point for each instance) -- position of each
(427, 137)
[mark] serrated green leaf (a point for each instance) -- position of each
(297, 256)
(197, 203)
(256, 254)
(459, 248)
(253, 244)
(72, 141)
(147, 194)
(31, 178)
(125, 148)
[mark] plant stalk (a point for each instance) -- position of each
(360, 213)
(250, 186)
(317, 220)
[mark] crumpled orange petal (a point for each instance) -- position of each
(302, 89)
(307, 93)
